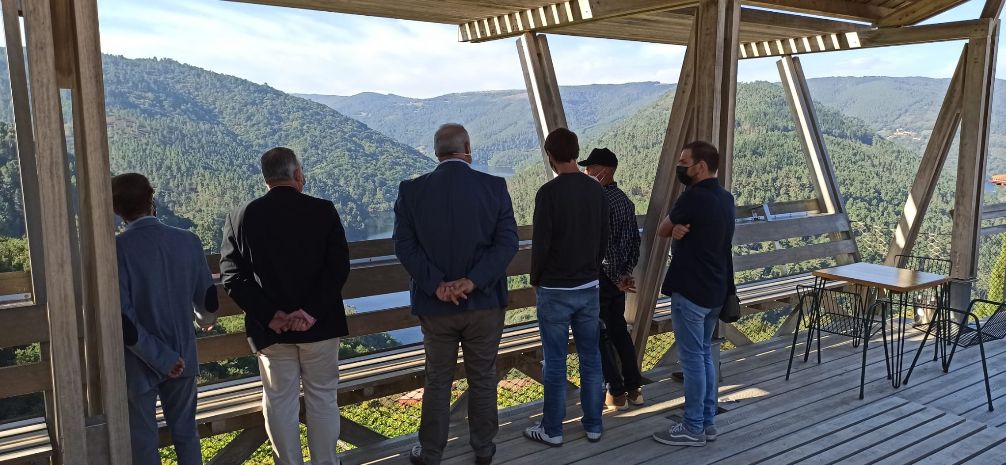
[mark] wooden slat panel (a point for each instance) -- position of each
(24, 379)
(781, 208)
(23, 325)
(994, 211)
(16, 282)
(765, 231)
(793, 255)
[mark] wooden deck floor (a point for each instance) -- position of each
(815, 417)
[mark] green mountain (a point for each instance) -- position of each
(499, 122)
(904, 109)
(874, 173)
(198, 136)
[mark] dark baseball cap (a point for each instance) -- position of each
(603, 157)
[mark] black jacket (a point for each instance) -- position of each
(570, 234)
(282, 252)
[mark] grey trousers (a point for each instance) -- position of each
(478, 332)
(178, 397)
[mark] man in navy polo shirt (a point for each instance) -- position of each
(698, 280)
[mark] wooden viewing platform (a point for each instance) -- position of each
(815, 417)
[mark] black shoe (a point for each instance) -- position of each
(487, 460)
(416, 456)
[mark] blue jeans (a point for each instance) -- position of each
(693, 333)
(557, 312)
(178, 397)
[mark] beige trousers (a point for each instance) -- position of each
(284, 367)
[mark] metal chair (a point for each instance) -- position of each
(836, 312)
(965, 329)
(924, 302)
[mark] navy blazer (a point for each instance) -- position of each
(452, 223)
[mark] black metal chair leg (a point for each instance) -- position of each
(796, 337)
(985, 371)
(883, 336)
(818, 344)
(936, 343)
(810, 337)
(862, 373)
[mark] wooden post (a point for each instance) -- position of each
(930, 169)
(652, 266)
(542, 89)
(728, 92)
(98, 244)
(25, 146)
(68, 433)
(979, 75)
(696, 113)
(822, 172)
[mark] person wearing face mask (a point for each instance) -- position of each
(698, 280)
(284, 260)
(618, 356)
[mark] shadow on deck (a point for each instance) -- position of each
(815, 417)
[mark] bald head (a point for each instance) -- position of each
(451, 141)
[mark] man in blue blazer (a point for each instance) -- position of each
(455, 234)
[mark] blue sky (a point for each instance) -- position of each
(329, 53)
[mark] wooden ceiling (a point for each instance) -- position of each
(659, 21)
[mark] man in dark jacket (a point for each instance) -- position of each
(284, 260)
(701, 223)
(455, 234)
(618, 355)
(568, 246)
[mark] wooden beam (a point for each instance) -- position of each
(241, 447)
(542, 89)
(357, 434)
(68, 433)
(994, 211)
(28, 167)
(652, 266)
(822, 172)
(793, 255)
(98, 236)
(916, 11)
(979, 78)
(728, 92)
(558, 15)
(734, 335)
(930, 168)
(847, 10)
(993, 8)
(880, 37)
(765, 231)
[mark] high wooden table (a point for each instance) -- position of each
(898, 283)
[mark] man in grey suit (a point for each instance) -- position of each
(455, 234)
(164, 283)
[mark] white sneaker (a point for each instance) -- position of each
(537, 433)
(593, 437)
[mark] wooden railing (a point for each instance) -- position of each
(375, 272)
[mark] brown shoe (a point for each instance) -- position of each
(618, 402)
(635, 397)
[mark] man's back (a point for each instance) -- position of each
(286, 251)
(453, 223)
(164, 273)
(570, 232)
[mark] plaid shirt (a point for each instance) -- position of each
(623, 235)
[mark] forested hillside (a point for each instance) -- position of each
(500, 122)
(198, 136)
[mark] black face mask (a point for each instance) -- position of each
(682, 172)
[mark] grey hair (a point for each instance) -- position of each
(279, 164)
(450, 138)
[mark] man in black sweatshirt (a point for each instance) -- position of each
(568, 245)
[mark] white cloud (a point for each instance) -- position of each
(309, 51)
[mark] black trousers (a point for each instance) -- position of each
(618, 356)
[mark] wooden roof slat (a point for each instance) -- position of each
(838, 9)
(917, 11)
